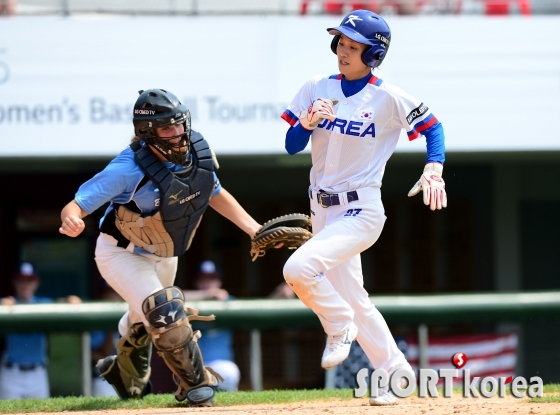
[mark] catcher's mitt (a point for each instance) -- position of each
(291, 230)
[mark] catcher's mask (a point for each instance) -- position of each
(157, 108)
(368, 28)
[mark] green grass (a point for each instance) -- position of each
(269, 397)
(551, 394)
(79, 403)
(552, 388)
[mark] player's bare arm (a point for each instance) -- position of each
(227, 206)
(72, 220)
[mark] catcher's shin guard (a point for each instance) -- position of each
(129, 371)
(176, 343)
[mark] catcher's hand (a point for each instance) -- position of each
(432, 186)
(290, 231)
(321, 108)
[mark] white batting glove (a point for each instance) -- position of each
(320, 109)
(432, 185)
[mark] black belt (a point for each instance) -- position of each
(333, 199)
(110, 228)
(23, 368)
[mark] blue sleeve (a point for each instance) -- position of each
(296, 139)
(217, 185)
(116, 183)
(435, 144)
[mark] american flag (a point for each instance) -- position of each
(487, 354)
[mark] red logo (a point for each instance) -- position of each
(436, 178)
(459, 360)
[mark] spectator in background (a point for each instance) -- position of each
(23, 371)
(216, 345)
(7, 7)
(282, 290)
(103, 343)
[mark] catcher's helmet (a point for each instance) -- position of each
(156, 108)
(364, 26)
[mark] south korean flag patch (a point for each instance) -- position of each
(366, 114)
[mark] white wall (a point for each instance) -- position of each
(67, 85)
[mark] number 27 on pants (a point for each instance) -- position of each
(352, 212)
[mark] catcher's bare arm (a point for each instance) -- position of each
(71, 217)
(227, 206)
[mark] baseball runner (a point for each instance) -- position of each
(158, 189)
(353, 120)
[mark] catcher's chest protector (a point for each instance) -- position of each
(183, 200)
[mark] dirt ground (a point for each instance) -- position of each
(409, 406)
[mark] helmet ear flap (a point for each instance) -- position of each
(373, 56)
(334, 43)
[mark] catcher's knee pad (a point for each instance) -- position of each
(177, 344)
(129, 371)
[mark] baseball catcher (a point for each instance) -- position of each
(290, 231)
(158, 189)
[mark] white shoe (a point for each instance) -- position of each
(338, 347)
(388, 398)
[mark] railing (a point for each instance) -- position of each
(255, 315)
(245, 7)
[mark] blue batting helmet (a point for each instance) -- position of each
(364, 26)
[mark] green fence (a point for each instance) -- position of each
(277, 314)
(258, 314)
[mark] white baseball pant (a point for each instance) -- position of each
(100, 387)
(229, 371)
(21, 384)
(326, 274)
(133, 276)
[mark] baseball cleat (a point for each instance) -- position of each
(338, 347)
(109, 371)
(388, 398)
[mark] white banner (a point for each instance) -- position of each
(67, 85)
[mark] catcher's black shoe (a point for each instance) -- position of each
(201, 395)
(109, 370)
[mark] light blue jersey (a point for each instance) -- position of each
(118, 183)
(27, 348)
(216, 344)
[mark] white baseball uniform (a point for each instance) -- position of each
(349, 156)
